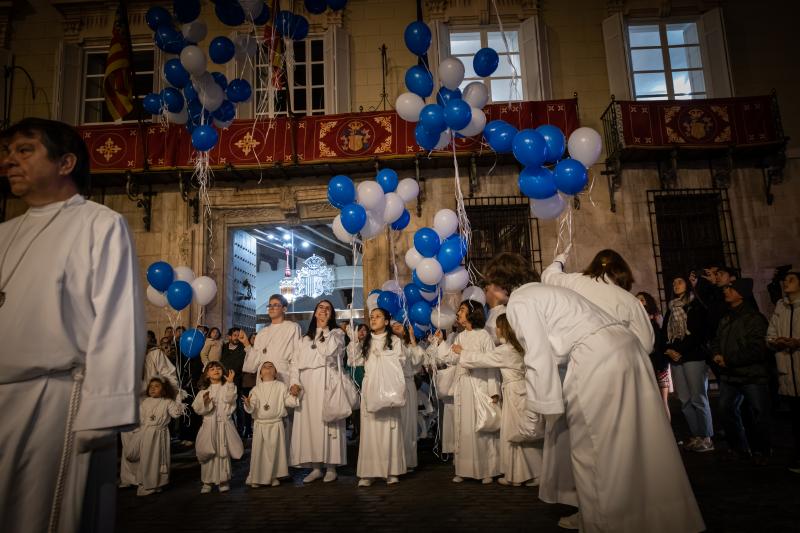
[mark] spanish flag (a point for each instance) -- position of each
(117, 81)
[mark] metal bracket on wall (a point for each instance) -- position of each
(193, 201)
(144, 200)
(613, 173)
(721, 176)
(772, 171)
(421, 183)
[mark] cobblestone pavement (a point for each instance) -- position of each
(734, 496)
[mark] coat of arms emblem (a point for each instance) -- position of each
(355, 137)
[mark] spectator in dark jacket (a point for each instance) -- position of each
(657, 357)
(685, 330)
(740, 350)
(232, 358)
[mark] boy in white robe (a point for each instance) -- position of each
(267, 404)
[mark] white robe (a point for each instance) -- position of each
(628, 472)
(491, 321)
(268, 403)
(278, 344)
(519, 462)
(381, 450)
(414, 356)
(315, 441)
(217, 441)
(73, 304)
(152, 441)
(447, 409)
(476, 453)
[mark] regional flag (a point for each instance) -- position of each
(117, 80)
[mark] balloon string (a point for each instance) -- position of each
(591, 187)
(513, 87)
(464, 227)
(564, 231)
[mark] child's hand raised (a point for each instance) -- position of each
(246, 400)
(229, 376)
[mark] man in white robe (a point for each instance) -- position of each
(72, 316)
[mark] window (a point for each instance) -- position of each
(93, 105)
(306, 81)
(666, 61)
(503, 85)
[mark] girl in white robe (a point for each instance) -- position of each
(217, 441)
(413, 357)
(628, 472)
(381, 453)
(476, 453)
(148, 448)
(437, 352)
(315, 442)
(519, 462)
(267, 404)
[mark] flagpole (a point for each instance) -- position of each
(132, 80)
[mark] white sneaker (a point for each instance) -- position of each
(391, 480)
(570, 522)
(503, 482)
(205, 489)
(313, 476)
(487, 481)
(275, 483)
(224, 487)
(364, 482)
(458, 479)
(330, 475)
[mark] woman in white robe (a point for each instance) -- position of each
(267, 404)
(315, 442)
(217, 441)
(519, 462)
(627, 468)
(381, 451)
(413, 357)
(476, 453)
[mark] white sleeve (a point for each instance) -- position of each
(199, 404)
(641, 327)
(354, 357)
(251, 359)
(554, 274)
(294, 346)
(116, 345)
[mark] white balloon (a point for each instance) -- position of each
(444, 140)
(392, 286)
(476, 123)
(373, 227)
(178, 118)
(548, 208)
(443, 317)
(222, 125)
(429, 271)
(183, 273)
(194, 31)
(475, 94)
(422, 327)
(408, 189)
(252, 8)
(451, 72)
(341, 233)
(474, 293)
(211, 96)
(429, 296)
(193, 59)
(408, 106)
(455, 280)
(156, 298)
(413, 257)
(445, 223)
(204, 289)
(585, 146)
(372, 301)
(394, 207)
(369, 195)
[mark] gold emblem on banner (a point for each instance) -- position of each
(247, 143)
(355, 137)
(108, 149)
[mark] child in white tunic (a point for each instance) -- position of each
(437, 352)
(476, 453)
(380, 452)
(267, 403)
(149, 449)
(521, 462)
(413, 357)
(217, 440)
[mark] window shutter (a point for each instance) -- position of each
(336, 44)
(439, 50)
(239, 68)
(619, 77)
(535, 60)
(68, 84)
(715, 55)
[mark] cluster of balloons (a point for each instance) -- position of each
(454, 110)
(178, 286)
(367, 209)
(317, 7)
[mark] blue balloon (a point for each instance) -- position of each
(204, 138)
(225, 112)
(485, 62)
(493, 126)
(169, 39)
(160, 275)
(444, 95)
(555, 141)
(157, 16)
(186, 10)
(239, 90)
(537, 183)
(418, 37)
(221, 50)
(426, 241)
(263, 18)
(529, 147)
(341, 191)
(422, 286)
(401, 223)
(570, 176)
(229, 12)
(411, 292)
(387, 179)
(451, 253)
(173, 99)
(419, 81)
(195, 109)
(300, 28)
(179, 294)
(189, 92)
(400, 315)
(419, 333)
(283, 23)
(353, 218)
(420, 313)
(192, 342)
(152, 103)
(426, 138)
(221, 80)
(336, 5)
(176, 75)
(502, 140)
(316, 7)
(432, 117)
(389, 301)
(457, 114)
